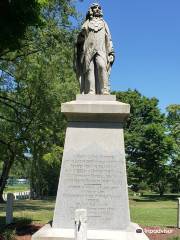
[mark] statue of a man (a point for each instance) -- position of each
(94, 53)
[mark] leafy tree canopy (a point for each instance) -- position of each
(173, 129)
(15, 17)
(34, 80)
(148, 146)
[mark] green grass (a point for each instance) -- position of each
(152, 210)
(36, 211)
(149, 210)
(17, 188)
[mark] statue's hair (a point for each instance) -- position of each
(89, 14)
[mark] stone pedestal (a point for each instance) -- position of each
(93, 172)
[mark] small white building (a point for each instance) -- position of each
(22, 181)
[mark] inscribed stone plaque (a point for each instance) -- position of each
(93, 179)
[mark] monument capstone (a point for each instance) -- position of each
(93, 171)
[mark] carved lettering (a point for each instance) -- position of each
(93, 182)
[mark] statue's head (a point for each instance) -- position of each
(95, 10)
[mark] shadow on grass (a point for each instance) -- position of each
(22, 206)
(24, 226)
(25, 207)
(34, 205)
(156, 198)
(31, 205)
(17, 222)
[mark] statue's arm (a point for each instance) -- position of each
(82, 34)
(78, 51)
(111, 54)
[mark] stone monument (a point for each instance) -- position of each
(93, 171)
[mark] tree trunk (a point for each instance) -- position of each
(161, 193)
(2, 199)
(4, 176)
(36, 177)
(161, 189)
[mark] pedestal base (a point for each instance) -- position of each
(93, 170)
(93, 173)
(49, 233)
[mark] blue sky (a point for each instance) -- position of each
(146, 37)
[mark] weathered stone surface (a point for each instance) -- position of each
(9, 208)
(49, 233)
(90, 97)
(93, 172)
(96, 108)
(93, 178)
(94, 53)
(81, 224)
(178, 213)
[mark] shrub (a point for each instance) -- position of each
(8, 234)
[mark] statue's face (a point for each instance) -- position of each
(96, 11)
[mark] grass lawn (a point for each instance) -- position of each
(152, 210)
(149, 210)
(27, 211)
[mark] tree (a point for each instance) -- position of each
(147, 145)
(173, 129)
(155, 150)
(34, 81)
(15, 17)
(51, 169)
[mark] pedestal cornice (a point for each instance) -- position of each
(102, 108)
